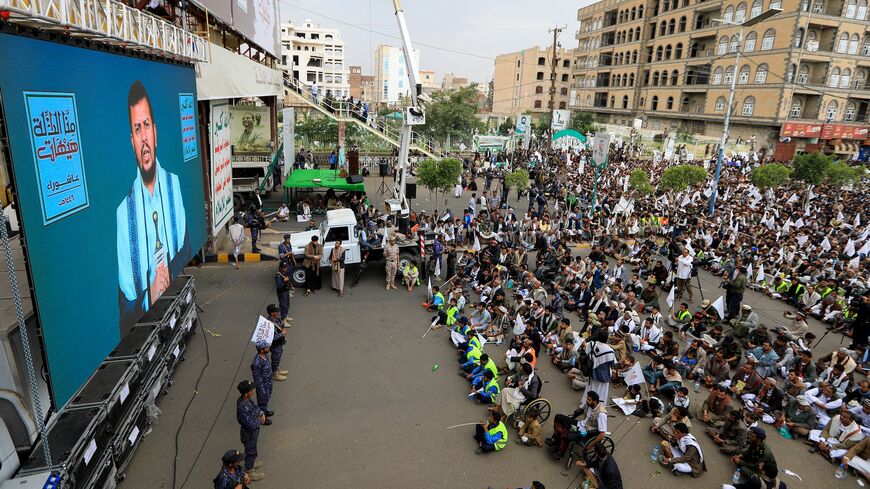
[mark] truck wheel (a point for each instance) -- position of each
(405, 258)
(298, 277)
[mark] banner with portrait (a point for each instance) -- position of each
(107, 166)
(250, 130)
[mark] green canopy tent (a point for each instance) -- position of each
(321, 179)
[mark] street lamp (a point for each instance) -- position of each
(721, 156)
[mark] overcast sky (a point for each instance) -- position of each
(482, 28)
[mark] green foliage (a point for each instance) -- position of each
(452, 113)
(638, 181)
(680, 177)
(771, 175)
(811, 168)
(439, 174)
(540, 126)
(517, 179)
(583, 122)
(840, 174)
(505, 127)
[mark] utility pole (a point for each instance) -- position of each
(553, 65)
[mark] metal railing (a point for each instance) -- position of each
(111, 22)
(342, 111)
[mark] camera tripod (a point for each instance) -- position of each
(382, 189)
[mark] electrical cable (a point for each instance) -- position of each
(220, 410)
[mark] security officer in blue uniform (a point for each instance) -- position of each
(250, 417)
(261, 370)
(231, 475)
(282, 288)
(278, 341)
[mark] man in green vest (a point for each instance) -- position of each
(437, 302)
(680, 317)
(488, 390)
(491, 434)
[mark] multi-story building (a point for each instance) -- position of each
(451, 81)
(361, 86)
(427, 79)
(522, 80)
(803, 73)
(312, 54)
(391, 83)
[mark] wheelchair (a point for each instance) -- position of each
(582, 450)
(539, 405)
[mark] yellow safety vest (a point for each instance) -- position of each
(501, 443)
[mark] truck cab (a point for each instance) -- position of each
(338, 226)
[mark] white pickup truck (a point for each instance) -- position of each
(340, 225)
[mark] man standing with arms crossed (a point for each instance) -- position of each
(684, 273)
(391, 255)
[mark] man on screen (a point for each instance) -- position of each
(151, 219)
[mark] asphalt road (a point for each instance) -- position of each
(364, 408)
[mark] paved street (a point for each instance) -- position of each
(363, 408)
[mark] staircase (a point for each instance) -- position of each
(340, 111)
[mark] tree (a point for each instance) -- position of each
(438, 175)
(638, 181)
(517, 179)
(505, 127)
(583, 122)
(771, 175)
(452, 114)
(680, 177)
(811, 168)
(840, 174)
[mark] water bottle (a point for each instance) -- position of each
(698, 385)
(655, 453)
(735, 479)
(841, 472)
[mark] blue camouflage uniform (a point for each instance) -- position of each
(248, 416)
(282, 288)
(261, 369)
(226, 480)
(277, 348)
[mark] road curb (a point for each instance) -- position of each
(246, 257)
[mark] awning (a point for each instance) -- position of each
(321, 179)
(843, 148)
(229, 75)
(569, 133)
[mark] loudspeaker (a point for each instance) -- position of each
(355, 179)
(411, 190)
(383, 169)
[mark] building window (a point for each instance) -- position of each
(655, 79)
(540, 75)
(853, 44)
(683, 24)
(717, 76)
(846, 78)
(795, 109)
(675, 76)
(729, 75)
(768, 39)
(654, 105)
(720, 104)
(612, 102)
(631, 80)
(743, 76)
(668, 52)
(776, 4)
(761, 74)
(749, 43)
(670, 103)
(565, 77)
(756, 9)
(843, 45)
(804, 75)
(729, 14)
(740, 13)
(561, 105)
(659, 52)
(850, 112)
(672, 26)
(678, 51)
(865, 49)
(735, 44)
(539, 89)
(831, 112)
(722, 48)
(748, 106)
(566, 64)
(834, 79)
(541, 61)
(563, 91)
(625, 101)
(851, 8)
(537, 104)
(664, 78)
(862, 10)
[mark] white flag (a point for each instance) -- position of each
(800, 223)
(840, 216)
(786, 228)
(857, 220)
(760, 277)
(429, 289)
(802, 239)
(476, 246)
(865, 250)
(849, 250)
(854, 262)
(810, 195)
(826, 245)
(264, 331)
(749, 270)
(670, 298)
(719, 305)
(792, 199)
(634, 375)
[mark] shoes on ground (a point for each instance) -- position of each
(255, 475)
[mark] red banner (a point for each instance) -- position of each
(802, 129)
(844, 131)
